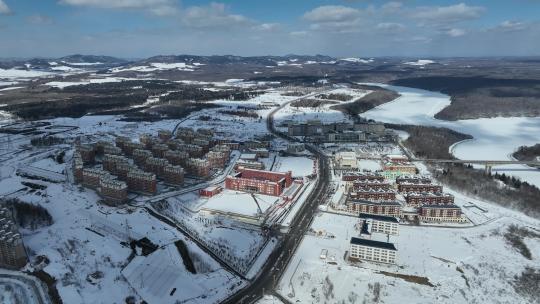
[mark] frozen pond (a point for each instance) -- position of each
(494, 138)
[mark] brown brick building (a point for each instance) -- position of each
(410, 187)
(426, 198)
(381, 208)
(174, 175)
(264, 182)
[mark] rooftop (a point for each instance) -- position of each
(382, 218)
(372, 243)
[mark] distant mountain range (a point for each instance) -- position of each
(104, 62)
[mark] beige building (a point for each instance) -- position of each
(346, 160)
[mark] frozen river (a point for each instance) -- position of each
(494, 138)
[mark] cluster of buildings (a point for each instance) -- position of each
(394, 166)
(426, 201)
(371, 192)
(137, 166)
(373, 242)
(12, 252)
(317, 131)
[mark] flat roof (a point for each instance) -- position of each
(372, 243)
(449, 206)
(248, 156)
(382, 218)
(357, 201)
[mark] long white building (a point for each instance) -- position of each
(371, 250)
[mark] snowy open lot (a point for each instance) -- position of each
(443, 265)
(494, 138)
(323, 112)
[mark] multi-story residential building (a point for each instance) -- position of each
(372, 194)
(113, 191)
(177, 158)
(441, 213)
(121, 141)
(413, 179)
(392, 170)
(427, 198)
(174, 143)
(111, 150)
(193, 150)
(356, 206)
(173, 175)
(158, 150)
(164, 135)
(91, 177)
(371, 250)
(156, 165)
(410, 187)
(381, 223)
(78, 166)
(217, 159)
(371, 184)
(198, 167)
(222, 148)
(140, 157)
(147, 140)
(12, 252)
(140, 181)
(264, 182)
(88, 153)
(130, 147)
(359, 176)
(111, 162)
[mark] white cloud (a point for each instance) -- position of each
(334, 17)
(157, 7)
(268, 27)
(332, 13)
(391, 7)
(39, 19)
(214, 15)
(299, 33)
(448, 14)
(390, 27)
(511, 26)
(455, 32)
(4, 9)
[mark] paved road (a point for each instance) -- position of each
(277, 263)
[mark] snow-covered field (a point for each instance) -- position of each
(445, 265)
(228, 126)
(323, 112)
(300, 166)
(419, 62)
(241, 203)
(494, 138)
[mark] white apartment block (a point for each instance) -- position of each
(374, 251)
(381, 223)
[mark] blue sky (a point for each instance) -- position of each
(141, 28)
